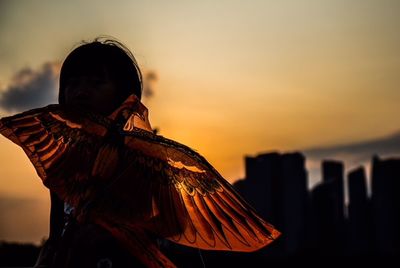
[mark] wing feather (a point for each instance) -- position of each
(225, 219)
(200, 224)
(33, 139)
(212, 221)
(25, 121)
(43, 145)
(28, 130)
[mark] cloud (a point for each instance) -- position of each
(361, 150)
(149, 80)
(31, 88)
(352, 154)
(37, 88)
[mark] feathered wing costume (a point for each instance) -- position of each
(117, 173)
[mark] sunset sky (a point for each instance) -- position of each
(234, 78)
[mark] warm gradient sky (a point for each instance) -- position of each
(235, 78)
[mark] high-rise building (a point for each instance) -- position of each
(276, 185)
(359, 235)
(386, 205)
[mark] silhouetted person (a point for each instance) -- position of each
(96, 77)
(121, 185)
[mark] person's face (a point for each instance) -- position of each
(94, 92)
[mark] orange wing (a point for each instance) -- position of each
(61, 145)
(191, 203)
(136, 179)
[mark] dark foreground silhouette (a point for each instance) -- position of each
(318, 232)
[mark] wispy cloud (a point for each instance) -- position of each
(150, 77)
(31, 88)
(36, 88)
(352, 154)
(385, 145)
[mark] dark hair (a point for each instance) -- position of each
(99, 55)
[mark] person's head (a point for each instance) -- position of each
(98, 76)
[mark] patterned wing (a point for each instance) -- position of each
(61, 147)
(191, 203)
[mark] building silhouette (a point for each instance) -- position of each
(327, 201)
(386, 205)
(276, 186)
(359, 230)
(318, 222)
